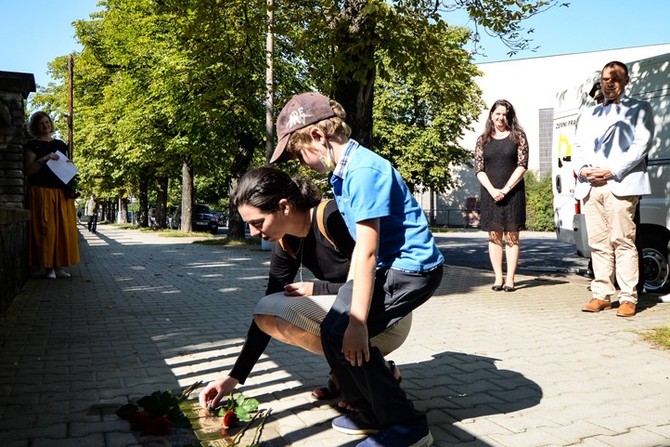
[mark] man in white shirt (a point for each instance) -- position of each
(612, 143)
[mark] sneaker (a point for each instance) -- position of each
(62, 274)
(354, 424)
(400, 436)
(51, 274)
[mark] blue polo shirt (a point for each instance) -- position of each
(365, 187)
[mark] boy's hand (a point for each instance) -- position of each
(355, 346)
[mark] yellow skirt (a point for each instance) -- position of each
(53, 236)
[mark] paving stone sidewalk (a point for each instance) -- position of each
(143, 312)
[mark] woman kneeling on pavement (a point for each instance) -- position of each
(286, 211)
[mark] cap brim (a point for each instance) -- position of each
(279, 155)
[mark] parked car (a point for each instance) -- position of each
(203, 219)
(222, 218)
(173, 217)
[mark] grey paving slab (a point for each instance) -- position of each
(143, 312)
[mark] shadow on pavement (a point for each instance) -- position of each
(141, 315)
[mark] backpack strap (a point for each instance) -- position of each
(321, 223)
(320, 211)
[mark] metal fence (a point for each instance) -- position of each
(454, 217)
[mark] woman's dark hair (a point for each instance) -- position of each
(263, 188)
(34, 120)
(515, 130)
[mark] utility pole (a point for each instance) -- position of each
(269, 82)
(70, 106)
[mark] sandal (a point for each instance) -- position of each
(330, 391)
(343, 407)
(394, 369)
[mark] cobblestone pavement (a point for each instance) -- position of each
(143, 313)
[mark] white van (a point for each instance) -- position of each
(650, 81)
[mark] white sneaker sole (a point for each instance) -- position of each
(426, 441)
(357, 431)
(354, 431)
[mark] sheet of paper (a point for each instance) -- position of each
(63, 167)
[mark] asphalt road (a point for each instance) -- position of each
(540, 252)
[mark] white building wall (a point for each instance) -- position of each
(530, 85)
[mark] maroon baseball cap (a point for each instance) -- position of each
(301, 111)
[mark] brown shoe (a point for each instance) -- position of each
(596, 305)
(626, 309)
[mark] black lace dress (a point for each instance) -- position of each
(498, 159)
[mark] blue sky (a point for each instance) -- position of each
(43, 30)
(35, 32)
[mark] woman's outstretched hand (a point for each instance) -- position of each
(215, 391)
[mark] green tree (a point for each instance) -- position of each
(352, 35)
(165, 87)
(539, 203)
(182, 75)
(420, 115)
(402, 66)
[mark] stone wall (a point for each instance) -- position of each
(14, 90)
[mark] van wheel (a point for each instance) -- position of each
(655, 268)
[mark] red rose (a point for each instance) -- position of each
(139, 421)
(158, 426)
(229, 419)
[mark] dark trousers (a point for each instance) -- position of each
(371, 388)
(93, 222)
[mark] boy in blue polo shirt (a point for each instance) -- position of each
(395, 267)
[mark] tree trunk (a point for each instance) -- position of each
(356, 97)
(144, 202)
(353, 91)
(161, 201)
(240, 165)
(123, 210)
(107, 213)
(187, 195)
(104, 207)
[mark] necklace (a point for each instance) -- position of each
(307, 223)
(301, 253)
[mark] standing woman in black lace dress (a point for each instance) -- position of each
(53, 231)
(501, 159)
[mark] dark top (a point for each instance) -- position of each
(498, 159)
(327, 263)
(45, 176)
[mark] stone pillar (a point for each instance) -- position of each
(14, 218)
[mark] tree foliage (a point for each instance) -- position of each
(539, 207)
(165, 87)
(420, 114)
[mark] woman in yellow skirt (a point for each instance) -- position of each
(53, 234)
